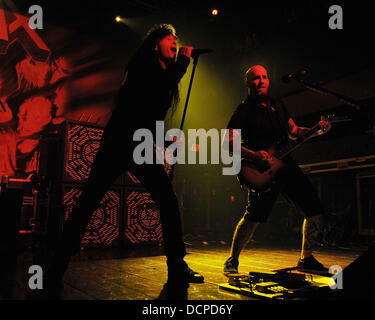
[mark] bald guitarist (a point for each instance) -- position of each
(268, 133)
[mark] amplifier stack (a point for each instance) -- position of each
(126, 216)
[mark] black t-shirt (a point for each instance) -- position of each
(146, 94)
(260, 126)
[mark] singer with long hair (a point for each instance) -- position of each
(148, 90)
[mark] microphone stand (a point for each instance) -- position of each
(326, 92)
(195, 62)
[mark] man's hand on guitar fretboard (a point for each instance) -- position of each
(324, 125)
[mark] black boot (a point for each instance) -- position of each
(231, 266)
(179, 273)
(311, 264)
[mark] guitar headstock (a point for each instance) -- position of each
(331, 118)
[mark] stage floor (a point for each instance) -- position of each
(141, 273)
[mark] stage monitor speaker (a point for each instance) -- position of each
(358, 281)
(105, 224)
(142, 218)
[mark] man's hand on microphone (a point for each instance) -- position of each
(186, 51)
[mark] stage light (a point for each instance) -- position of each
(215, 12)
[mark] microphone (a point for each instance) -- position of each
(288, 77)
(197, 52)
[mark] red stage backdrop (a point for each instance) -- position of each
(46, 77)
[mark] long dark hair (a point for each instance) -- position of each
(147, 54)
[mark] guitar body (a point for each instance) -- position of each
(261, 180)
(252, 177)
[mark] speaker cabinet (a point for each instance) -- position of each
(104, 228)
(82, 142)
(127, 214)
(142, 218)
(131, 180)
(357, 280)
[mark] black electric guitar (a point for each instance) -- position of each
(258, 179)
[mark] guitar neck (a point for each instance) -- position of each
(289, 147)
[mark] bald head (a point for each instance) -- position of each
(257, 80)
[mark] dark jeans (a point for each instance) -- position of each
(114, 156)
